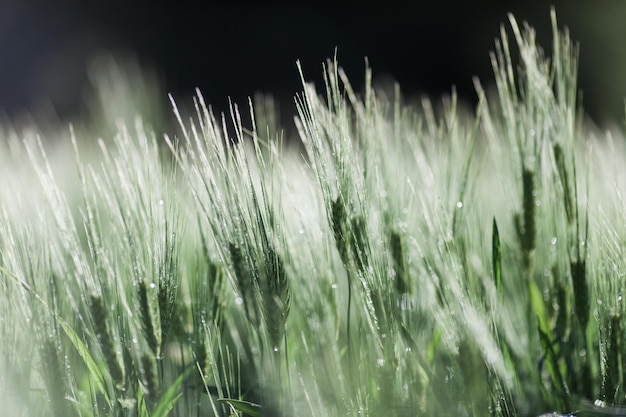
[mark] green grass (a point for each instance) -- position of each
(393, 260)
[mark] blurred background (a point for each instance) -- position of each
(49, 53)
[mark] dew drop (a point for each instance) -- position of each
(152, 285)
(239, 301)
(380, 362)
(161, 202)
(459, 204)
(553, 241)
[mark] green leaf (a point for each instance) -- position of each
(246, 407)
(171, 396)
(552, 360)
(431, 350)
(142, 410)
(506, 354)
(93, 368)
(539, 308)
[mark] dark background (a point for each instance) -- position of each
(236, 49)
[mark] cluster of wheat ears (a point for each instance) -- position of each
(397, 260)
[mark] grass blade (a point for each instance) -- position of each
(246, 407)
(170, 397)
(94, 370)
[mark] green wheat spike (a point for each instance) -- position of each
(147, 317)
(398, 256)
(528, 209)
(340, 229)
(277, 299)
(613, 384)
(105, 339)
(564, 178)
(582, 299)
(358, 243)
(150, 378)
(245, 284)
(496, 257)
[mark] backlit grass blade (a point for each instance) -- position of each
(539, 308)
(554, 368)
(97, 378)
(246, 407)
(171, 395)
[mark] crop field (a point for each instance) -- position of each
(391, 259)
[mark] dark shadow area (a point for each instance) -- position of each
(235, 50)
